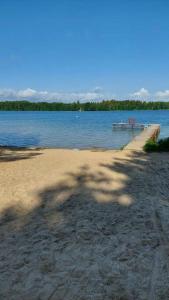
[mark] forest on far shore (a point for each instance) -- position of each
(105, 105)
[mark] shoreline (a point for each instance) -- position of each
(93, 149)
(137, 143)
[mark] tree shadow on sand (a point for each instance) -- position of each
(94, 235)
(8, 154)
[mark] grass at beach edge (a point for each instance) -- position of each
(161, 145)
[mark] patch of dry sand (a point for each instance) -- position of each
(84, 225)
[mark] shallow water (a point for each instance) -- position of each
(74, 129)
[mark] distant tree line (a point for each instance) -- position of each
(106, 105)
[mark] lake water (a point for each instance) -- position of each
(74, 129)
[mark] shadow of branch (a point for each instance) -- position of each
(14, 154)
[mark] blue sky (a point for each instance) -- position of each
(84, 49)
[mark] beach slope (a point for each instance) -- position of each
(88, 225)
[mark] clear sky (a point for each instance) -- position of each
(84, 49)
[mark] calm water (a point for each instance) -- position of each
(73, 129)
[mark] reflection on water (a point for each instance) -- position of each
(74, 129)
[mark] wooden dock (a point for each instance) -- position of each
(137, 144)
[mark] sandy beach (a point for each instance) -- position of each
(84, 225)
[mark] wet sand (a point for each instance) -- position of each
(85, 225)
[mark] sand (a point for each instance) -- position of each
(84, 225)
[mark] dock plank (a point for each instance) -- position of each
(139, 141)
